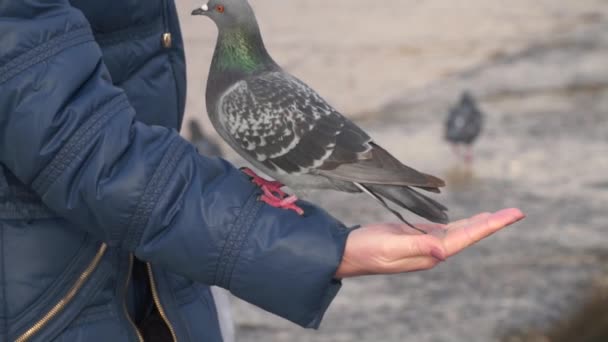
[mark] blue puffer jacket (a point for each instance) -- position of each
(106, 214)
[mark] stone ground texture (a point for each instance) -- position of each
(540, 71)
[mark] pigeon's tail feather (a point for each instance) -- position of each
(383, 203)
(412, 200)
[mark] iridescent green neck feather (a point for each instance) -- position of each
(240, 50)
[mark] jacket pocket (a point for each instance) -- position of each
(66, 300)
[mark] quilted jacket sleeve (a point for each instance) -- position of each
(70, 134)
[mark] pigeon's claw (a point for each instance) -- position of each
(468, 155)
(273, 195)
(287, 203)
(273, 186)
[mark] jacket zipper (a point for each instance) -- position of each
(158, 304)
(84, 276)
(139, 337)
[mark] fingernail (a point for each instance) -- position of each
(437, 254)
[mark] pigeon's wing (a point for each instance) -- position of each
(280, 122)
(473, 127)
(284, 124)
(459, 123)
(373, 166)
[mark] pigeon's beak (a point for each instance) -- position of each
(201, 10)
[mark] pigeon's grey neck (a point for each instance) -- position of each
(241, 50)
(239, 54)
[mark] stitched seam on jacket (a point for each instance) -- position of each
(154, 190)
(71, 150)
(234, 243)
(43, 52)
(21, 211)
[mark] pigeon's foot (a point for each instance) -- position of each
(273, 195)
(287, 203)
(456, 150)
(272, 186)
(468, 156)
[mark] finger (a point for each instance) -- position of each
(436, 226)
(440, 230)
(463, 235)
(424, 226)
(468, 221)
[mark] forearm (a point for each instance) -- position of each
(270, 257)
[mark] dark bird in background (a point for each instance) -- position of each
(285, 129)
(463, 126)
(204, 144)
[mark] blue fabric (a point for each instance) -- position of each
(93, 171)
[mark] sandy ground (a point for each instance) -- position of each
(540, 71)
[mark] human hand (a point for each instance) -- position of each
(396, 248)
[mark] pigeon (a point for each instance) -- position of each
(203, 144)
(289, 132)
(464, 125)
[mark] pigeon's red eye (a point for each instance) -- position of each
(219, 8)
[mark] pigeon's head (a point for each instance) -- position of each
(467, 98)
(228, 13)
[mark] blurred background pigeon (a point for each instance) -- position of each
(463, 126)
(203, 143)
(284, 128)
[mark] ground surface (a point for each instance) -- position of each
(540, 71)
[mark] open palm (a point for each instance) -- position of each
(397, 248)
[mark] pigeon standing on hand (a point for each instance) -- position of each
(463, 126)
(284, 128)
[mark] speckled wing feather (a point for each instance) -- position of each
(281, 122)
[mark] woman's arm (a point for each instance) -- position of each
(70, 134)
